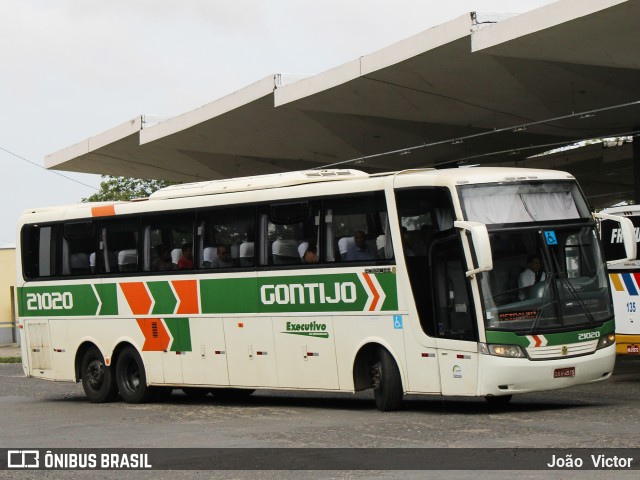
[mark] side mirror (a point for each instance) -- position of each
(481, 245)
(628, 236)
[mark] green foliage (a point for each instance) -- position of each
(125, 188)
(10, 359)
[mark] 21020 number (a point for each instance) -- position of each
(50, 301)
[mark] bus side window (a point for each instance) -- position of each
(38, 251)
(119, 246)
(232, 228)
(163, 239)
(288, 232)
(362, 218)
(78, 241)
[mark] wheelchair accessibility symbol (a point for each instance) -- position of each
(397, 321)
(550, 237)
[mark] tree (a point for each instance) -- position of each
(125, 188)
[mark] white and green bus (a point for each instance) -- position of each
(322, 280)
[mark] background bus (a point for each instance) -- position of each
(625, 280)
(412, 287)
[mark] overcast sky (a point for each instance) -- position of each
(74, 68)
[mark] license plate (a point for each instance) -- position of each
(564, 372)
(633, 349)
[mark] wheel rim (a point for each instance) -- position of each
(376, 375)
(95, 374)
(132, 376)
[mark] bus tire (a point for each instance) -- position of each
(387, 384)
(231, 393)
(97, 378)
(131, 377)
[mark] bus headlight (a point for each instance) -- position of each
(510, 351)
(607, 340)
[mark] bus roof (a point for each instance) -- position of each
(403, 178)
(288, 179)
(257, 182)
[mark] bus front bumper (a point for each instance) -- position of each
(627, 344)
(506, 376)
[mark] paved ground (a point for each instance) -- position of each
(11, 350)
(37, 413)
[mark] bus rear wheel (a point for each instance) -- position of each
(131, 377)
(387, 384)
(97, 378)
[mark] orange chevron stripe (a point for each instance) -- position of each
(137, 297)
(187, 291)
(156, 337)
(376, 295)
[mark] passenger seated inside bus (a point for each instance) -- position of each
(162, 260)
(186, 261)
(359, 249)
(222, 258)
(310, 255)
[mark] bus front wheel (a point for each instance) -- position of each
(131, 377)
(97, 378)
(387, 384)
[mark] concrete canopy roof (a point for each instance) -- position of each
(461, 92)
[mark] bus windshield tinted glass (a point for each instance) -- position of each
(545, 280)
(499, 204)
(613, 243)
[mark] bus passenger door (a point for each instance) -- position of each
(456, 330)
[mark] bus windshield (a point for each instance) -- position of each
(518, 202)
(548, 273)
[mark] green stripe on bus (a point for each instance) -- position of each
(181, 333)
(165, 300)
(340, 292)
(344, 292)
(228, 295)
(108, 294)
(564, 338)
(58, 301)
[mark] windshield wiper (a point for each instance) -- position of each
(534, 324)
